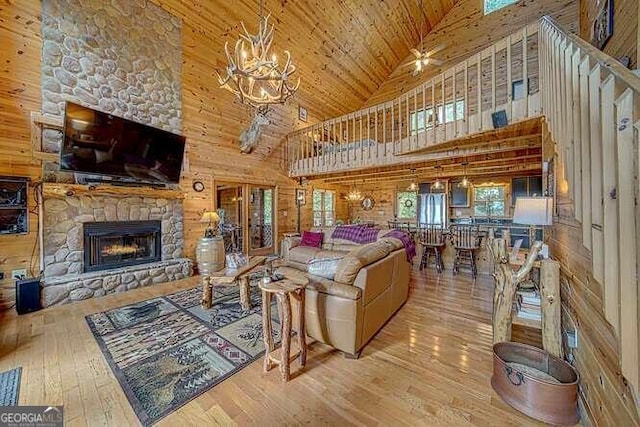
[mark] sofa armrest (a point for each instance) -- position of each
(329, 287)
(289, 243)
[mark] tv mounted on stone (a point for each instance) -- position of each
(105, 145)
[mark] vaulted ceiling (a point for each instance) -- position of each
(344, 49)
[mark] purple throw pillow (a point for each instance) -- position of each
(309, 238)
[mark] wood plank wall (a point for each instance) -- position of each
(384, 195)
(605, 397)
(19, 94)
(625, 39)
(465, 30)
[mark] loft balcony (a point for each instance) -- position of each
(501, 84)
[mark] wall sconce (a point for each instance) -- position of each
(301, 196)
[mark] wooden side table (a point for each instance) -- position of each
(226, 277)
(285, 290)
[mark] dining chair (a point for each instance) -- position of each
(466, 240)
(432, 238)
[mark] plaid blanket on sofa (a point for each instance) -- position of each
(405, 238)
(356, 233)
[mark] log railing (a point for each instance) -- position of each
(592, 107)
(456, 103)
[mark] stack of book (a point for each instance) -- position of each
(528, 305)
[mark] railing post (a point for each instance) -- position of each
(596, 175)
(585, 156)
(624, 113)
(574, 134)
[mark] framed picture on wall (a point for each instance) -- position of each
(302, 113)
(603, 24)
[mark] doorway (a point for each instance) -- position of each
(261, 223)
(247, 220)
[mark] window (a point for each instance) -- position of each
(493, 5)
(406, 205)
(323, 208)
(422, 119)
(489, 201)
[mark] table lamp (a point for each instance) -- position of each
(211, 219)
(533, 211)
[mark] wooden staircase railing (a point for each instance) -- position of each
(592, 107)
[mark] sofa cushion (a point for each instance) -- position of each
(312, 239)
(303, 254)
(324, 267)
(351, 264)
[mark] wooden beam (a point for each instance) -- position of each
(65, 190)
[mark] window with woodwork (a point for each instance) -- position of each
(406, 205)
(493, 5)
(489, 201)
(324, 207)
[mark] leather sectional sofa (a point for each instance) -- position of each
(371, 282)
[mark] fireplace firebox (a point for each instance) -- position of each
(118, 244)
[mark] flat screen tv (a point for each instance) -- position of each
(99, 143)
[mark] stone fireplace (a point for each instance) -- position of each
(109, 245)
(95, 245)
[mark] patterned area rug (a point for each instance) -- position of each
(168, 350)
(10, 387)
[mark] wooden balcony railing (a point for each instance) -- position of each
(455, 104)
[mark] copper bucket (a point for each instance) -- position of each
(536, 383)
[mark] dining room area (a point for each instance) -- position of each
(451, 207)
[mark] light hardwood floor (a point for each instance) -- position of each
(430, 365)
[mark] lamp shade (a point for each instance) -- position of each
(209, 217)
(533, 211)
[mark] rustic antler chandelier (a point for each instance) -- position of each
(253, 75)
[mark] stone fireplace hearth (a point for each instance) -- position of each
(72, 224)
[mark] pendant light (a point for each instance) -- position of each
(465, 182)
(438, 184)
(354, 194)
(413, 186)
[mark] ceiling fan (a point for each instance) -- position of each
(424, 58)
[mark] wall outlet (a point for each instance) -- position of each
(572, 339)
(19, 274)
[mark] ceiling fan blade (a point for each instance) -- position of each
(416, 53)
(435, 62)
(410, 64)
(436, 49)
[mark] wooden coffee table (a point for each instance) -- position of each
(227, 277)
(285, 290)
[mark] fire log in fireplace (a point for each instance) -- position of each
(110, 245)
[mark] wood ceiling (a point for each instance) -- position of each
(344, 49)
